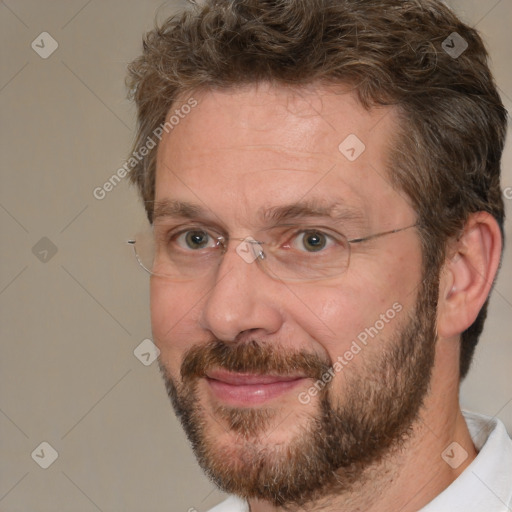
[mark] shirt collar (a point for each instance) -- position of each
(486, 484)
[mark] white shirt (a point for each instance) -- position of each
(484, 486)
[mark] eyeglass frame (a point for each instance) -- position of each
(223, 241)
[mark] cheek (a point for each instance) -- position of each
(172, 320)
(361, 309)
(334, 321)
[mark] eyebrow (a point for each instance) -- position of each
(336, 210)
(311, 208)
(173, 208)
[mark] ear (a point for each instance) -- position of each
(468, 274)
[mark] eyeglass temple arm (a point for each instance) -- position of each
(377, 235)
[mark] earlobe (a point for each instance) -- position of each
(468, 274)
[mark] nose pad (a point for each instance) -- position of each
(250, 250)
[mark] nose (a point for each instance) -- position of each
(243, 298)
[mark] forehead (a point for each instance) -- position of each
(240, 149)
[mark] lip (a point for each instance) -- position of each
(248, 389)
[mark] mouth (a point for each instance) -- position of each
(249, 389)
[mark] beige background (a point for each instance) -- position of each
(69, 326)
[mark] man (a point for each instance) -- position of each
(326, 227)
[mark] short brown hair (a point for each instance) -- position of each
(447, 155)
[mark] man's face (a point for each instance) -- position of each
(242, 352)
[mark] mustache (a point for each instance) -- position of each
(250, 357)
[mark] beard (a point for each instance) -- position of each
(333, 447)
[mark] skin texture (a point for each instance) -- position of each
(248, 149)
